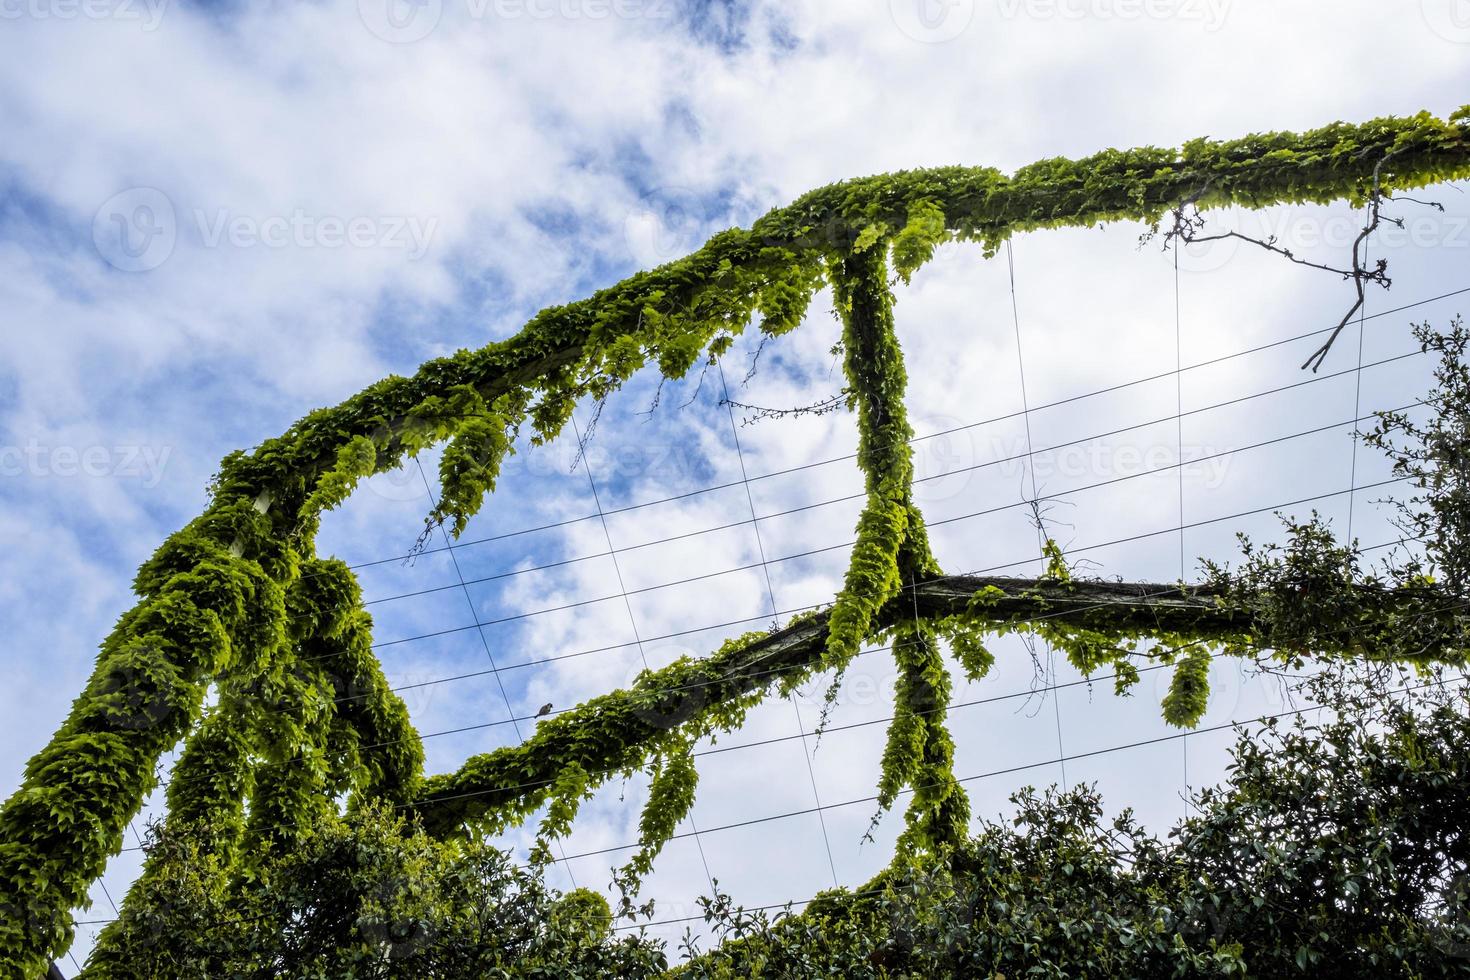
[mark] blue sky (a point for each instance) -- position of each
(216, 217)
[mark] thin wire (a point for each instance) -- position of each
(806, 751)
(766, 568)
(685, 535)
(632, 621)
(1036, 765)
(1029, 692)
(494, 668)
(862, 653)
(933, 435)
(1129, 746)
(1178, 371)
(1179, 406)
(109, 895)
(966, 779)
(1357, 407)
(1179, 435)
(1125, 747)
(1051, 665)
(776, 670)
(927, 524)
(919, 479)
(868, 799)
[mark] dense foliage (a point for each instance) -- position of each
(1434, 455)
(234, 647)
(1338, 848)
(368, 898)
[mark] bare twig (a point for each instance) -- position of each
(760, 413)
(755, 359)
(1188, 223)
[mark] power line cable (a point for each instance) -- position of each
(1397, 542)
(746, 479)
(933, 435)
(701, 684)
(1010, 770)
(1017, 457)
(806, 751)
(864, 652)
(1035, 502)
(632, 620)
(494, 668)
(1357, 406)
(1179, 444)
(993, 568)
(1182, 735)
(1030, 692)
(847, 544)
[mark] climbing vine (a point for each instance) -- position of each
(220, 601)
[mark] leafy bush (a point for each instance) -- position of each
(1336, 848)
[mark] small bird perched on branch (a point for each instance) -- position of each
(545, 710)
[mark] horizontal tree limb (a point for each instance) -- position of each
(611, 733)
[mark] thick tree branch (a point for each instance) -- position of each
(609, 733)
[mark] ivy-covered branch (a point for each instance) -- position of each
(670, 313)
(285, 736)
(611, 734)
(892, 544)
(205, 610)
